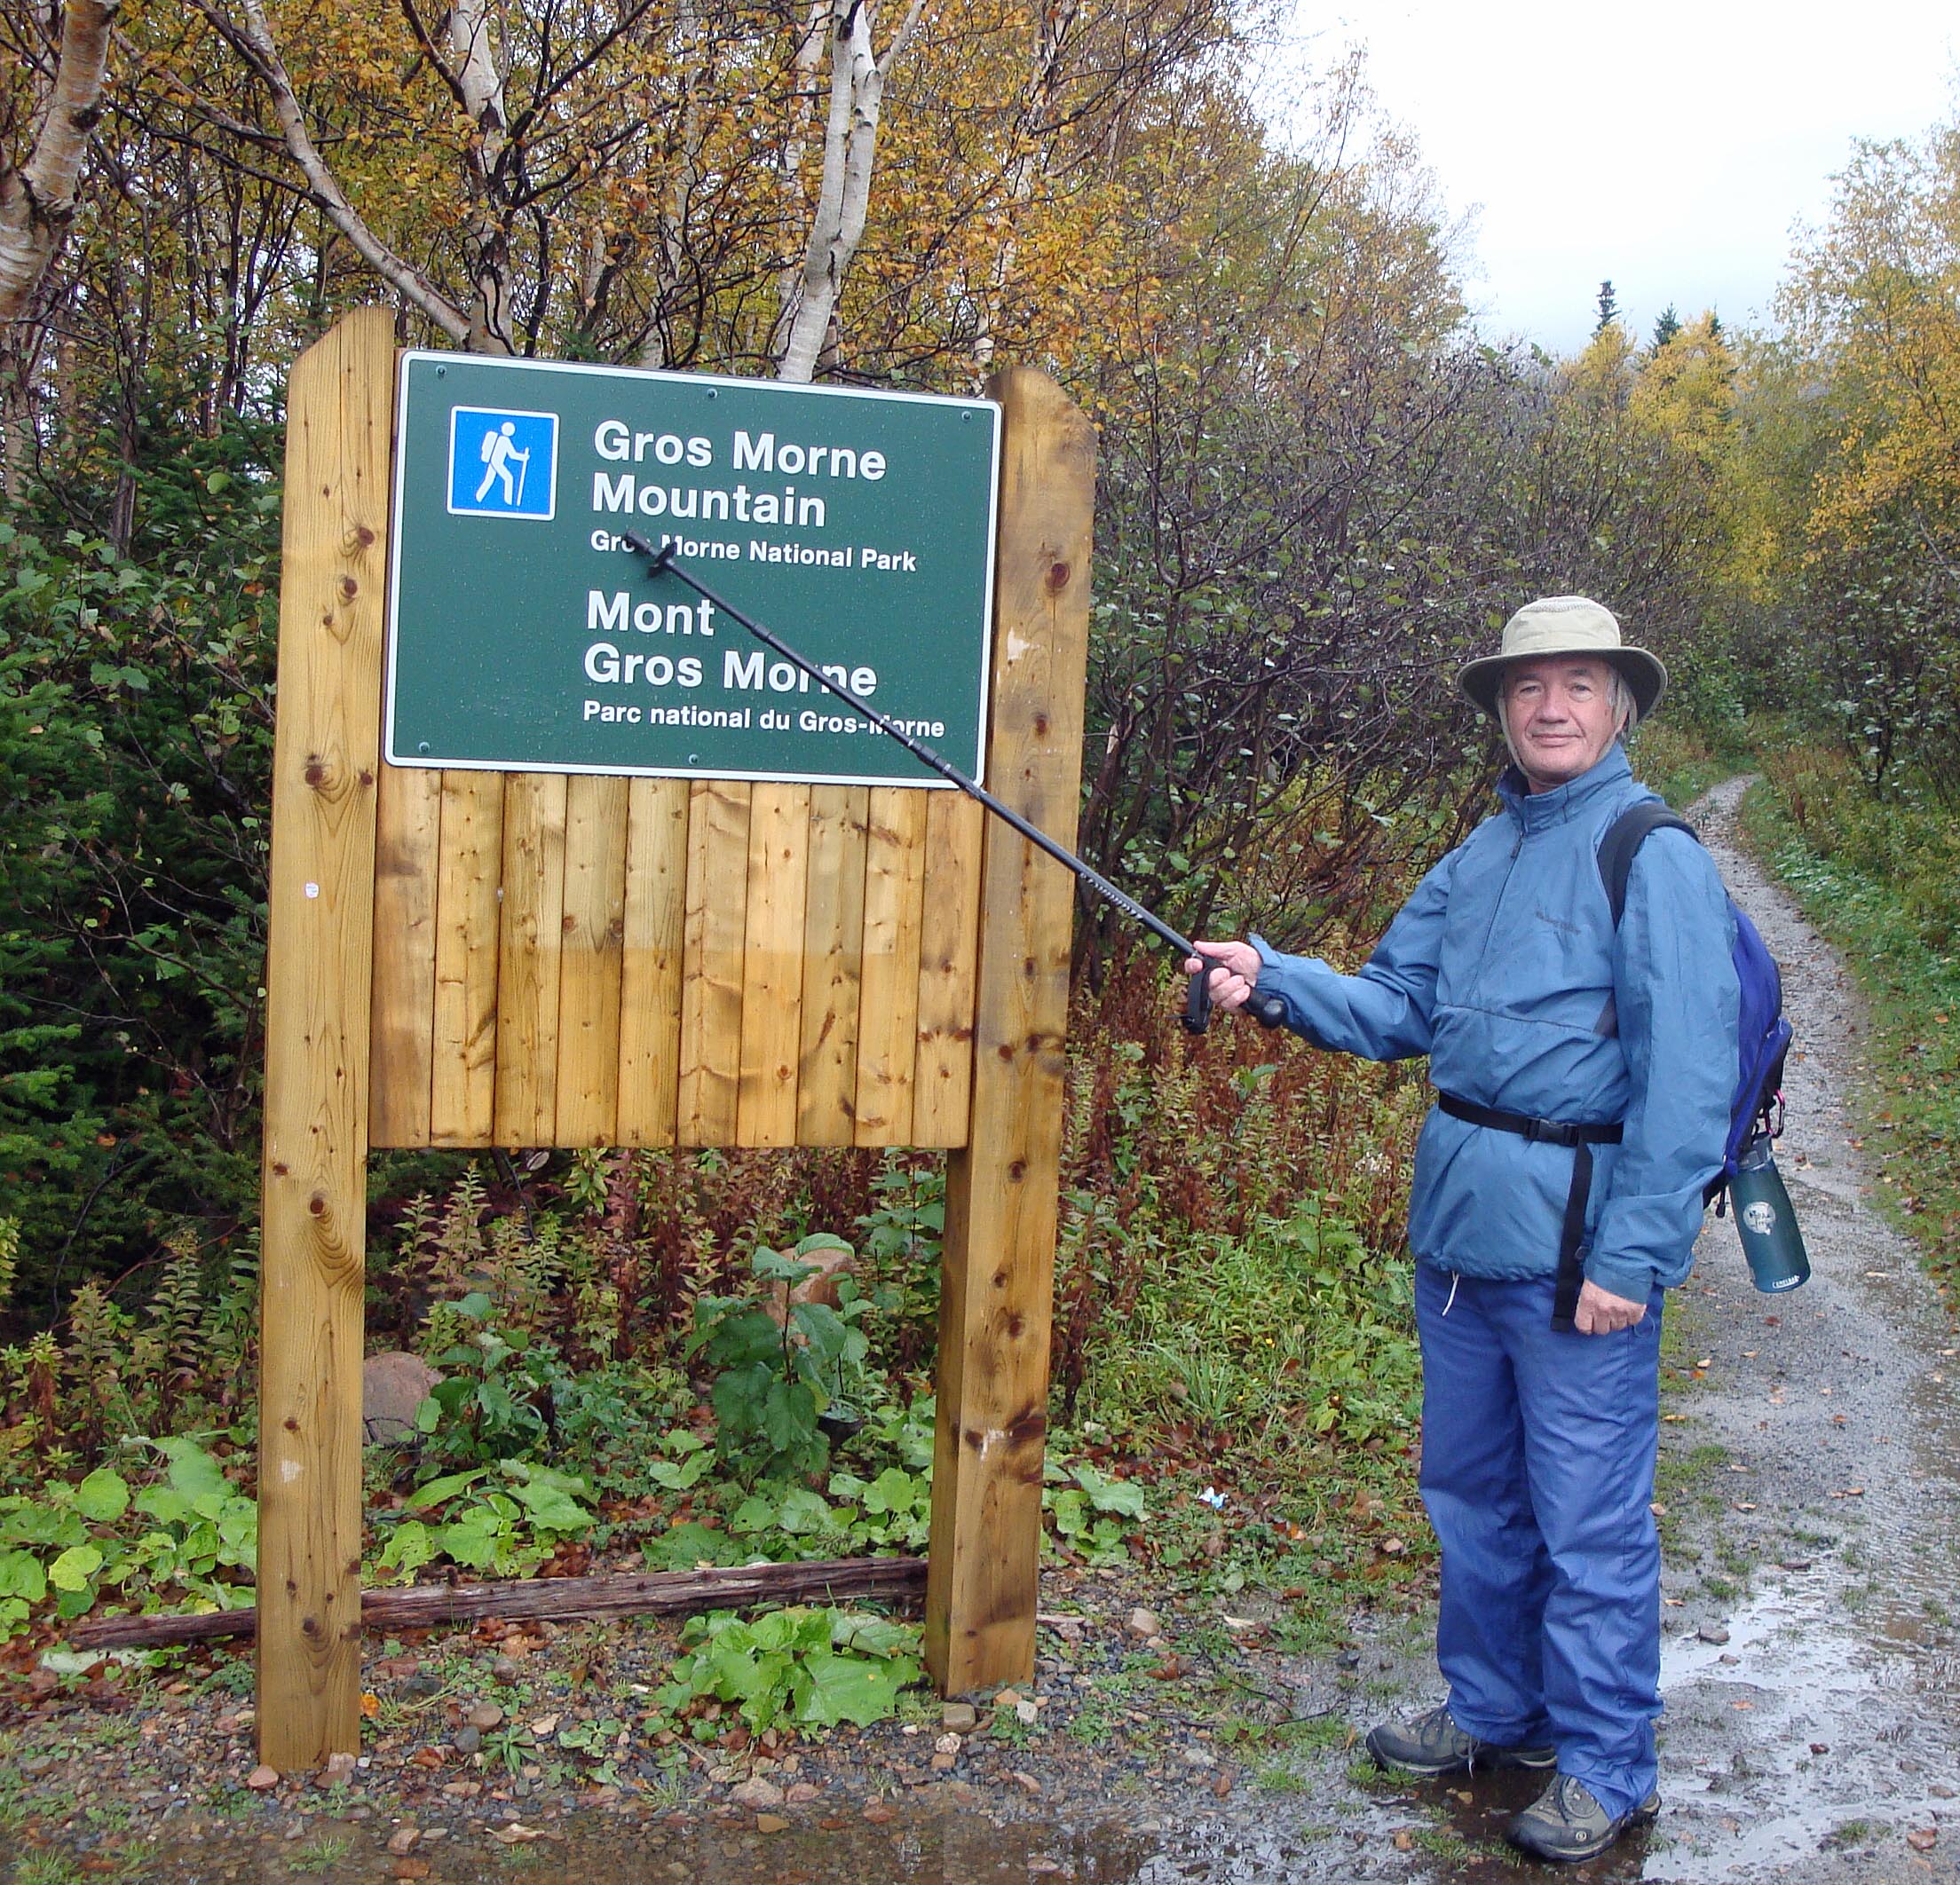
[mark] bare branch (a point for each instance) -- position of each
(254, 43)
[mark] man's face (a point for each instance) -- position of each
(1559, 714)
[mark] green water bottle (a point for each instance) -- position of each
(1772, 1240)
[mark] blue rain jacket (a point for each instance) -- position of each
(1505, 969)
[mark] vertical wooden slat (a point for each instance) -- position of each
(589, 973)
(319, 986)
(711, 993)
(772, 964)
(528, 956)
(949, 947)
(888, 1006)
(401, 1029)
(1001, 1192)
(833, 941)
(649, 979)
(469, 877)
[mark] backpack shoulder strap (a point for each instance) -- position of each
(1624, 837)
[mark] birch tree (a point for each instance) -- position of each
(843, 199)
(37, 201)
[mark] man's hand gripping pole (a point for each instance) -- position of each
(1268, 1009)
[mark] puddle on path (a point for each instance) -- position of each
(958, 1850)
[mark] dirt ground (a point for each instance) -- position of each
(1812, 1663)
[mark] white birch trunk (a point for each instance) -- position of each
(851, 149)
(1035, 132)
(37, 201)
(478, 71)
(808, 57)
(670, 239)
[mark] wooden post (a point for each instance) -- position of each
(1001, 1192)
(325, 765)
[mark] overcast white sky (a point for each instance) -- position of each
(1668, 148)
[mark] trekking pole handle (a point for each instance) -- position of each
(1268, 1010)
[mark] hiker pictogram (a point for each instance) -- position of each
(502, 464)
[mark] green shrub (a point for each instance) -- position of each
(1881, 880)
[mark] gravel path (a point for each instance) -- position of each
(1821, 1739)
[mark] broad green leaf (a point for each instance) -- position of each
(825, 1332)
(852, 1689)
(165, 1504)
(192, 1471)
(802, 1510)
(453, 1395)
(741, 1339)
(102, 1496)
(755, 1513)
(75, 1567)
(498, 1408)
(551, 1509)
(412, 1546)
(1110, 1496)
(739, 1671)
(790, 1414)
(682, 1547)
(872, 1636)
(774, 1630)
(42, 1524)
(677, 1476)
(436, 1490)
(780, 1266)
(474, 1539)
(22, 1576)
(894, 1490)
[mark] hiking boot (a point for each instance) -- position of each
(1432, 1744)
(1566, 1822)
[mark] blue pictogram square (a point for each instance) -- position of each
(502, 464)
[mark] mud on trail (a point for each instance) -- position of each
(1810, 1482)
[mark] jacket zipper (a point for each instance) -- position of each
(1504, 890)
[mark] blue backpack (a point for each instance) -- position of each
(1762, 1033)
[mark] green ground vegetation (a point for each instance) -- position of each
(1236, 1390)
(1880, 875)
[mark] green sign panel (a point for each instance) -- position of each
(524, 635)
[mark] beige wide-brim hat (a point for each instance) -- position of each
(1565, 624)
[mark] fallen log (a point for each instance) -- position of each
(655, 1593)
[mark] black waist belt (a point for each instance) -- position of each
(1582, 1139)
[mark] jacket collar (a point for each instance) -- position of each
(1536, 810)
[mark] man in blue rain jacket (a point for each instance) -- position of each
(1583, 1075)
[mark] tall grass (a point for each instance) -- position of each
(1881, 880)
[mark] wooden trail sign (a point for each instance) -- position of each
(479, 958)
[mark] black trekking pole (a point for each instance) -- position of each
(1269, 1010)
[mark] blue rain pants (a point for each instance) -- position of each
(1538, 1469)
